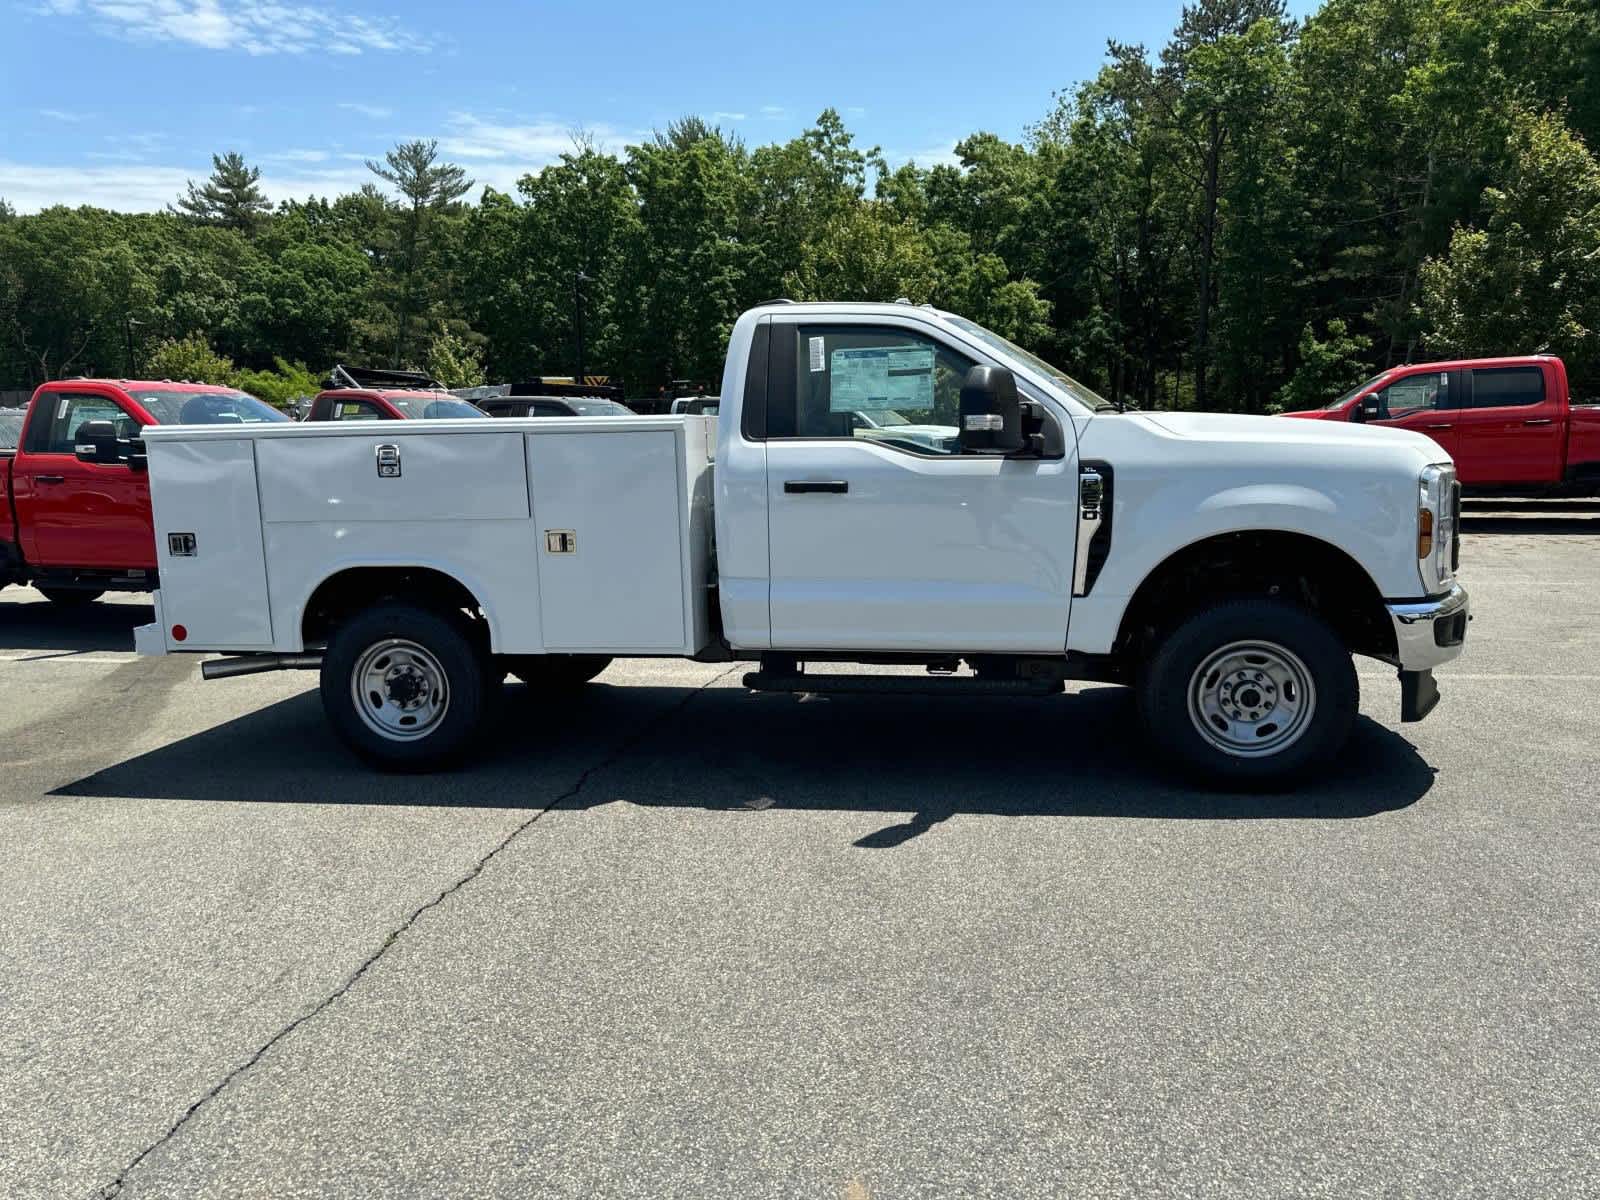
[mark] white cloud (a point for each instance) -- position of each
(58, 114)
(774, 112)
(148, 187)
(942, 154)
(729, 116)
(376, 111)
(527, 146)
(253, 26)
(297, 156)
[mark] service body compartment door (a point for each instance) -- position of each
(389, 475)
(208, 543)
(608, 519)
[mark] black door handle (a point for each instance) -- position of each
(51, 478)
(1540, 421)
(805, 487)
(1438, 426)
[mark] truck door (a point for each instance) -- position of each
(882, 533)
(1423, 401)
(76, 514)
(1511, 427)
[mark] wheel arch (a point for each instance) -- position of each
(352, 587)
(1299, 567)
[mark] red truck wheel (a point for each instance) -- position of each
(70, 597)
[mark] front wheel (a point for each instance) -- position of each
(404, 686)
(70, 597)
(1250, 692)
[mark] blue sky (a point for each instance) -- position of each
(117, 102)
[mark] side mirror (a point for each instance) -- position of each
(96, 442)
(991, 414)
(1366, 409)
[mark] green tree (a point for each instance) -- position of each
(1529, 278)
(454, 361)
(191, 359)
(1328, 367)
(425, 186)
(231, 197)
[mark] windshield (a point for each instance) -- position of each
(1355, 391)
(425, 407)
(207, 408)
(1080, 392)
(599, 408)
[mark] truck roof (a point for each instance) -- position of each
(386, 393)
(165, 385)
(1513, 360)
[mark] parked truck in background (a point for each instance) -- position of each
(1225, 567)
(75, 520)
(365, 394)
(1508, 423)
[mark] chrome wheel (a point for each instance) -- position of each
(1252, 699)
(400, 689)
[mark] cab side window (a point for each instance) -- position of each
(890, 386)
(67, 414)
(1414, 393)
(355, 410)
(1506, 387)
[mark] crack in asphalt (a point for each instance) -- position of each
(623, 748)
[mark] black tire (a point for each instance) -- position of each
(437, 665)
(1187, 716)
(557, 672)
(70, 597)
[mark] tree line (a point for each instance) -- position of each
(1255, 215)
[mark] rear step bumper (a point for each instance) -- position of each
(912, 685)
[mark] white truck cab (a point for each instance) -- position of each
(884, 484)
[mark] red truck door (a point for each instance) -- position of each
(75, 514)
(1511, 426)
(1422, 401)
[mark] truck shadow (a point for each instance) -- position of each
(722, 750)
(30, 622)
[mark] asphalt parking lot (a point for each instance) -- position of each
(676, 940)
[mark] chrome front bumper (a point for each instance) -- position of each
(1430, 632)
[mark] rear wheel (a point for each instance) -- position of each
(70, 597)
(557, 672)
(1250, 692)
(404, 686)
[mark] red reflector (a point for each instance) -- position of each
(179, 633)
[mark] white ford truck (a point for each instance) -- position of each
(886, 485)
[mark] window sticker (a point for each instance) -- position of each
(868, 380)
(818, 361)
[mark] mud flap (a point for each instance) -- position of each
(1419, 694)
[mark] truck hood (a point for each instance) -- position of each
(1238, 428)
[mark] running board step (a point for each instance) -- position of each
(906, 685)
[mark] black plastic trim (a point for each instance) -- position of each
(1419, 695)
(753, 418)
(1100, 543)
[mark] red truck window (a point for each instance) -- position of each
(1505, 387)
(1414, 393)
(62, 414)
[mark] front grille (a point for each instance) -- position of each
(1455, 529)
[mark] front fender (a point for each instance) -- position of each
(1154, 519)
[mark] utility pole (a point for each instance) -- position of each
(577, 290)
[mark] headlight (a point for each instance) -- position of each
(1436, 526)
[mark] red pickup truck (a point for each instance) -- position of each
(388, 404)
(75, 520)
(1507, 422)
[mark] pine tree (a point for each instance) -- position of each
(230, 198)
(427, 186)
